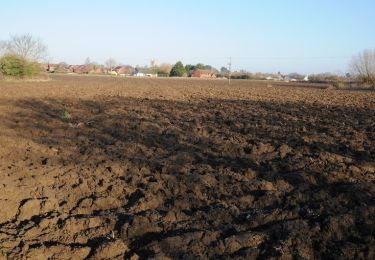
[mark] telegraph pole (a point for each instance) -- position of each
(230, 69)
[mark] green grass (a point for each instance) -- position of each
(66, 116)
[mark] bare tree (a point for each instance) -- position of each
(153, 63)
(165, 68)
(88, 61)
(110, 64)
(154, 66)
(26, 46)
(363, 65)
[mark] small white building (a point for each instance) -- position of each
(139, 74)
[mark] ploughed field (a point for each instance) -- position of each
(117, 168)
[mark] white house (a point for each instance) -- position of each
(139, 74)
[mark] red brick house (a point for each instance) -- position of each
(80, 69)
(124, 70)
(206, 74)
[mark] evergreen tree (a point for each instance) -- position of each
(178, 70)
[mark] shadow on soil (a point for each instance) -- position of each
(293, 179)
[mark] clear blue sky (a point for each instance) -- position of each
(306, 36)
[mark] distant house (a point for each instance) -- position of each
(96, 69)
(138, 74)
(79, 69)
(144, 72)
(206, 74)
(125, 70)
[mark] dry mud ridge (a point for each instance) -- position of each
(185, 169)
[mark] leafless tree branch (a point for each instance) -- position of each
(110, 64)
(364, 66)
(26, 46)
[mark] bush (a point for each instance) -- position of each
(178, 70)
(66, 116)
(14, 66)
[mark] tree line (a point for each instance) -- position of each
(20, 57)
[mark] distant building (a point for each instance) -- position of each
(96, 69)
(144, 72)
(79, 69)
(206, 74)
(125, 70)
(139, 74)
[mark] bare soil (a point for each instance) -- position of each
(193, 169)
